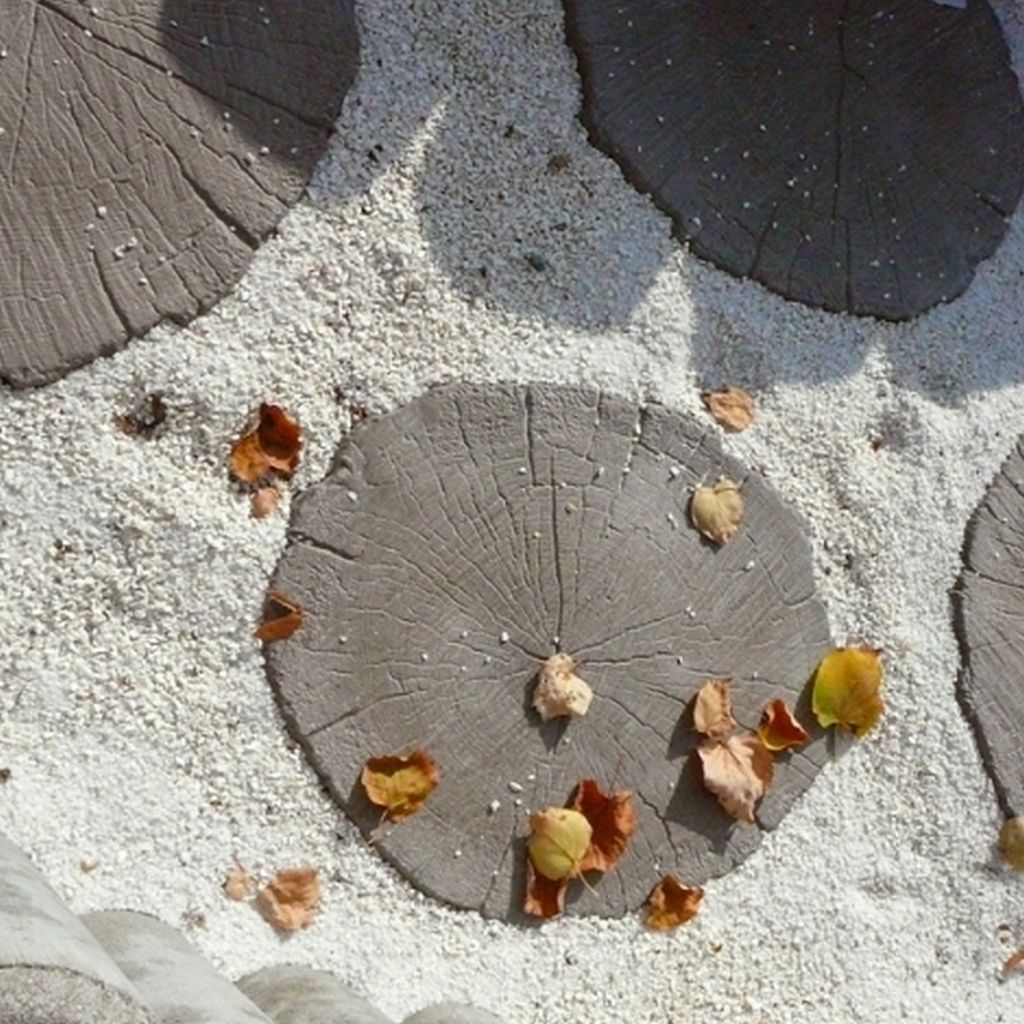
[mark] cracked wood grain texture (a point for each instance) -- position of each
(461, 540)
(855, 155)
(988, 610)
(147, 147)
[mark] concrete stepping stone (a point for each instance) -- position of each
(51, 967)
(293, 994)
(452, 1013)
(173, 979)
(147, 147)
(857, 155)
(465, 538)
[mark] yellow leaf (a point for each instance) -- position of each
(846, 689)
(732, 408)
(779, 728)
(400, 784)
(559, 841)
(712, 711)
(672, 904)
(717, 511)
(738, 771)
(1011, 842)
(560, 693)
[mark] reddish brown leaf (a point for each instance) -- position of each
(779, 729)
(289, 901)
(545, 897)
(612, 820)
(281, 617)
(270, 448)
(672, 904)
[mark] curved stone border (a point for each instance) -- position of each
(466, 537)
(857, 155)
(988, 616)
(147, 147)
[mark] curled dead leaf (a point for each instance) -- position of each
(559, 692)
(1011, 842)
(612, 821)
(731, 407)
(559, 840)
(671, 904)
(847, 682)
(289, 901)
(238, 884)
(779, 728)
(264, 501)
(712, 710)
(738, 770)
(281, 617)
(400, 784)
(269, 448)
(1013, 962)
(717, 511)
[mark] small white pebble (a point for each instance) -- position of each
(674, 471)
(531, 777)
(457, 854)
(424, 656)
(492, 807)
(514, 787)
(504, 638)
(518, 802)
(750, 565)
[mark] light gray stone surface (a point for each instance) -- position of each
(461, 540)
(452, 1013)
(291, 994)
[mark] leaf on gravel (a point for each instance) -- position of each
(732, 408)
(739, 771)
(846, 689)
(1014, 962)
(289, 901)
(779, 728)
(1011, 842)
(717, 511)
(238, 884)
(270, 448)
(281, 617)
(400, 784)
(145, 419)
(264, 501)
(712, 710)
(612, 822)
(671, 904)
(559, 692)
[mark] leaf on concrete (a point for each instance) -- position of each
(281, 617)
(612, 821)
(1011, 842)
(671, 904)
(400, 785)
(847, 682)
(559, 692)
(779, 728)
(269, 448)
(738, 770)
(717, 511)
(238, 884)
(289, 902)
(732, 408)
(712, 710)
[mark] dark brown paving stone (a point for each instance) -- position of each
(147, 148)
(857, 155)
(988, 608)
(463, 539)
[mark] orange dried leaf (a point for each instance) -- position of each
(545, 897)
(712, 710)
(238, 884)
(270, 448)
(1014, 962)
(264, 501)
(400, 784)
(846, 689)
(281, 617)
(731, 407)
(738, 770)
(289, 901)
(612, 822)
(671, 904)
(779, 728)
(717, 511)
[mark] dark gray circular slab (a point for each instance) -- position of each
(858, 155)
(988, 609)
(147, 148)
(460, 541)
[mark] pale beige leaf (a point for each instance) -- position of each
(731, 407)
(712, 711)
(289, 901)
(739, 771)
(559, 692)
(717, 511)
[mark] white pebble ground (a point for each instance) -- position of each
(135, 717)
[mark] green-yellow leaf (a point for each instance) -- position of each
(847, 682)
(560, 839)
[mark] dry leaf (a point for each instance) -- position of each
(717, 511)
(559, 840)
(712, 710)
(400, 784)
(779, 728)
(1014, 961)
(264, 501)
(612, 821)
(1011, 842)
(738, 771)
(671, 904)
(732, 408)
(87, 867)
(560, 693)
(545, 897)
(846, 689)
(281, 617)
(271, 447)
(238, 884)
(289, 901)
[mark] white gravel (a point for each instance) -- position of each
(134, 713)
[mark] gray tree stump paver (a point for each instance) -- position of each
(291, 994)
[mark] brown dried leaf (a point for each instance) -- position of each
(712, 710)
(264, 501)
(779, 728)
(545, 897)
(238, 884)
(270, 448)
(289, 901)
(281, 617)
(612, 822)
(400, 784)
(1011, 842)
(1014, 961)
(717, 511)
(731, 407)
(559, 692)
(672, 904)
(738, 771)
